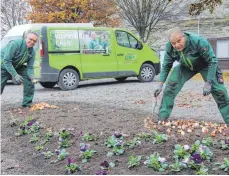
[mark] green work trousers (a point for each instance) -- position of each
(176, 81)
(28, 91)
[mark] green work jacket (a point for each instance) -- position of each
(197, 55)
(15, 54)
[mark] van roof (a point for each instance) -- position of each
(20, 29)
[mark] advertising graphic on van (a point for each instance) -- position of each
(64, 40)
(94, 42)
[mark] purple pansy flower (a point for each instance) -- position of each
(57, 152)
(161, 160)
(30, 123)
(70, 161)
(227, 141)
(101, 172)
(117, 134)
(22, 127)
(105, 164)
(81, 133)
(196, 157)
(83, 148)
(186, 147)
(119, 143)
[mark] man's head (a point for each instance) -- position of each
(93, 35)
(177, 38)
(31, 38)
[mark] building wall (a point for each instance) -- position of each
(223, 62)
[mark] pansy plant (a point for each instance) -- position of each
(72, 166)
(156, 162)
(47, 154)
(64, 143)
(107, 166)
(85, 153)
(195, 147)
(205, 152)
(159, 138)
(34, 138)
(177, 166)
(202, 170)
(118, 149)
(61, 155)
(133, 143)
(224, 144)
(89, 137)
(134, 161)
(207, 141)
(64, 134)
(145, 136)
(181, 151)
(225, 165)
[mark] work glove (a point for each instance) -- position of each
(18, 78)
(158, 89)
(33, 80)
(207, 88)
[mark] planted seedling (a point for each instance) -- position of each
(89, 137)
(48, 154)
(207, 141)
(177, 166)
(145, 136)
(134, 161)
(133, 143)
(61, 155)
(156, 162)
(86, 155)
(225, 165)
(159, 138)
(39, 147)
(181, 151)
(202, 170)
(34, 138)
(72, 166)
(224, 144)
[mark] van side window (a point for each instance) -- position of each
(126, 40)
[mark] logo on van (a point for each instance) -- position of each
(130, 57)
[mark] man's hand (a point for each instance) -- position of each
(207, 88)
(18, 78)
(33, 80)
(158, 89)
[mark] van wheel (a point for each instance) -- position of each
(48, 84)
(68, 79)
(121, 79)
(147, 73)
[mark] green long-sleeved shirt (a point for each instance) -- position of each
(197, 54)
(15, 54)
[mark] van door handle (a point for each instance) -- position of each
(106, 54)
(120, 54)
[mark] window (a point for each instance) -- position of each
(222, 50)
(126, 40)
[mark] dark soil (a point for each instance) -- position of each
(18, 154)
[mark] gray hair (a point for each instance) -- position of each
(26, 33)
(174, 30)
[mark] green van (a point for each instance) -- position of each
(70, 53)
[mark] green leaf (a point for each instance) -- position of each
(84, 161)
(109, 154)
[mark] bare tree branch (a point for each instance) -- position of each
(12, 13)
(143, 15)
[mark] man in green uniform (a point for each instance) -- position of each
(17, 61)
(195, 55)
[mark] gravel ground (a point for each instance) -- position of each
(131, 95)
